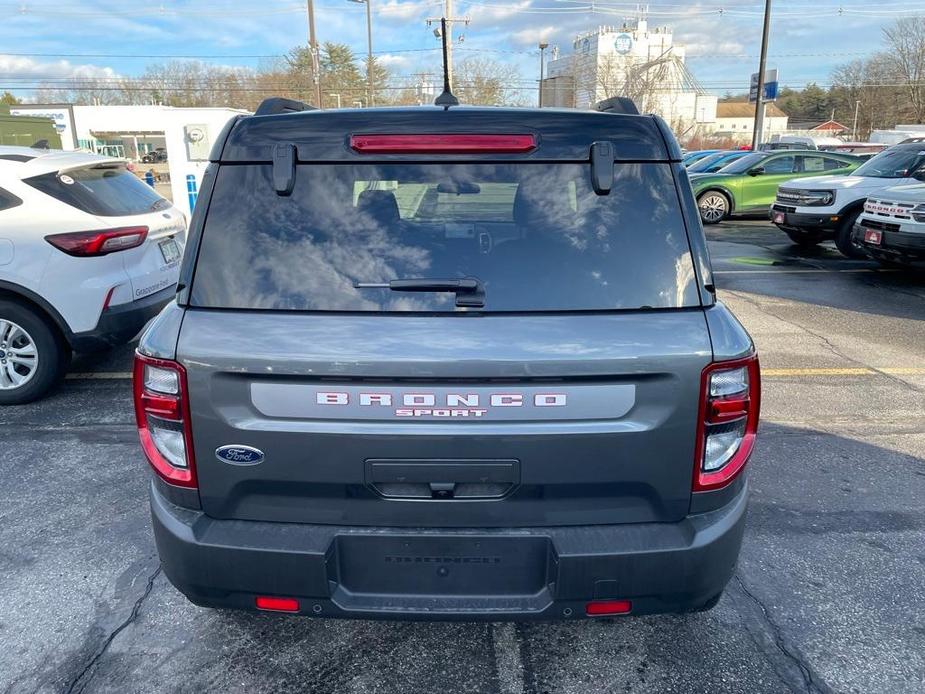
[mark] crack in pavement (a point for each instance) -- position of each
(812, 682)
(136, 608)
(828, 344)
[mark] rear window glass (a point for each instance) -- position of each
(535, 236)
(107, 191)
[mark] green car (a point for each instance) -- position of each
(750, 183)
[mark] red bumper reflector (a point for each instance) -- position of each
(603, 607)
(442, 144)
(266, 602)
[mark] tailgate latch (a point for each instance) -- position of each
(442, 490)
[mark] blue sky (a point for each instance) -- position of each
(63, 38)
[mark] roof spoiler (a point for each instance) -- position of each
(617, 104)
(277, 104)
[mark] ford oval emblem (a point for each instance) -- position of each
(239, 455)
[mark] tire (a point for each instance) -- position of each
(843, 241)
(805, 238)
(33, 354)
(714, 207)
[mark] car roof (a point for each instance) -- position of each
(561, 134)
(24, 162)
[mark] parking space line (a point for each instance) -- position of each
(855, 371)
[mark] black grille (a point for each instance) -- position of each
(880, 226)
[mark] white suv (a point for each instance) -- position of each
(892, 227)
(810, 210)
(88, 254)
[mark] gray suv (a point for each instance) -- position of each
(447, 363)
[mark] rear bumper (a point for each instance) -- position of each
(119, 324)
(434, 574)
(802, 221)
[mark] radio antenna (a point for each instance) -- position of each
(446, 99)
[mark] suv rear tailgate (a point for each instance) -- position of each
(605, 432)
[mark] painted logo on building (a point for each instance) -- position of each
(623, 44)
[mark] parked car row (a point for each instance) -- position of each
(750, 183)
(814, 195)
(831, 207)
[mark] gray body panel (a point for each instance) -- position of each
(621, 450)
(505, 463)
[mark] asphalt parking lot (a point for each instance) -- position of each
(829, 595)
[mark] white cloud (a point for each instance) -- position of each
(396, 9)
(22, 66)
(532, 36)
(393, 61)
(500, 12)
(696, 48)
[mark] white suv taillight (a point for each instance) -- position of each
(730, 400)
(162, 415)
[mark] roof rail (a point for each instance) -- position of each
(617, 104)
(278, 104)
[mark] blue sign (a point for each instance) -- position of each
(771, 86)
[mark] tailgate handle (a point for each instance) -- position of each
(442, 479)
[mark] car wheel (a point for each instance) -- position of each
(804, 238)
(33, 356)
(713, 206)
(843, 239)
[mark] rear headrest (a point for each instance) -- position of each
(536, 205)
(380, 205)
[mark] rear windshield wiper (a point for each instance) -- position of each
(469, 290)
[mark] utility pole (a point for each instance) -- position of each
(543, 47)
(369, 48)
(448, 27)
(762, 66)
(313, 49)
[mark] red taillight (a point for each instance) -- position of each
(86, 244)
(442, 144)
(730, 400)
(268, 602)
(163, 418)
(604, 607)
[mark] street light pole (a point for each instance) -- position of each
(854, 130)
(543, 47)
(762, 66)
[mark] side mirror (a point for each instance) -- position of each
(757, 171)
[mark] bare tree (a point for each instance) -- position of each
(486, 82)
(906, 57)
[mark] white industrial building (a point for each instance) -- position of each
(131, 131)
(635, 61)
